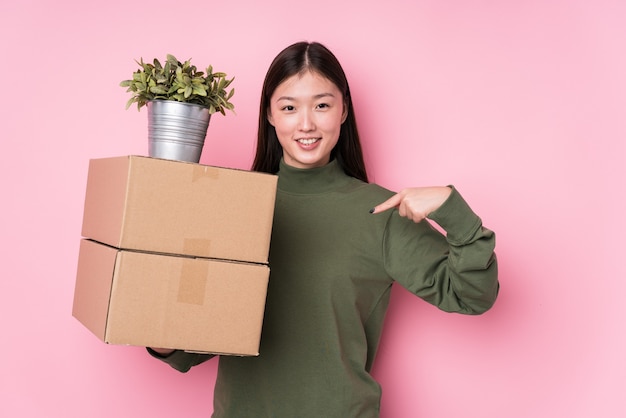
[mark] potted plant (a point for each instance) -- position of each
(180, 100)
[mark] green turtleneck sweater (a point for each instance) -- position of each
(332, 266)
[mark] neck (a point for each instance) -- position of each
(311, 180)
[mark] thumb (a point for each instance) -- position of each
(390, 203)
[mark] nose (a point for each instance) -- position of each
(306, 121)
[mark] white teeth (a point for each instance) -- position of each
(308, 141)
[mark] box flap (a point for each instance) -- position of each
(105, 199)
(93, 285)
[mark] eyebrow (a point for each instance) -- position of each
(317, 96)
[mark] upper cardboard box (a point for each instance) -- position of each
(175, 207)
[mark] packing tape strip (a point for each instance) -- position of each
(204, 171)
(193, 281)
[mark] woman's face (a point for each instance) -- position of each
(307, 111)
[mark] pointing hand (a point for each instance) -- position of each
(415, 203)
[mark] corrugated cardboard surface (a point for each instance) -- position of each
(156, 300)
(175, 207)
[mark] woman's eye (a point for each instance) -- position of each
(322, 105)
(288, 108)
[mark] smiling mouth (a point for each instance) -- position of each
(308, 141)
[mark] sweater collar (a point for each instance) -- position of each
(311, 180)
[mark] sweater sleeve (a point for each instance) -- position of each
(457, 272)
(181, 360)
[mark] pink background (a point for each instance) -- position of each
(520, 104)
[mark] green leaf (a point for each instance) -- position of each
(130, 102)
(171, 59)
(200, 91)
(158, 90)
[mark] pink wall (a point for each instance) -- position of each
(518, 103)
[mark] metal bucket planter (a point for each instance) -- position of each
(176, 130)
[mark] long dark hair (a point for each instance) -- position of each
(296, 59)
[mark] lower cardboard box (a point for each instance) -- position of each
(157, 300)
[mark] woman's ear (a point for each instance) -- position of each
(269, 118)
(344, 116)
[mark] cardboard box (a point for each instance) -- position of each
(156, 300)
(174, 207)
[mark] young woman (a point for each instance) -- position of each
(336, 250)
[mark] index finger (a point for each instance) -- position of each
(392, 202)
